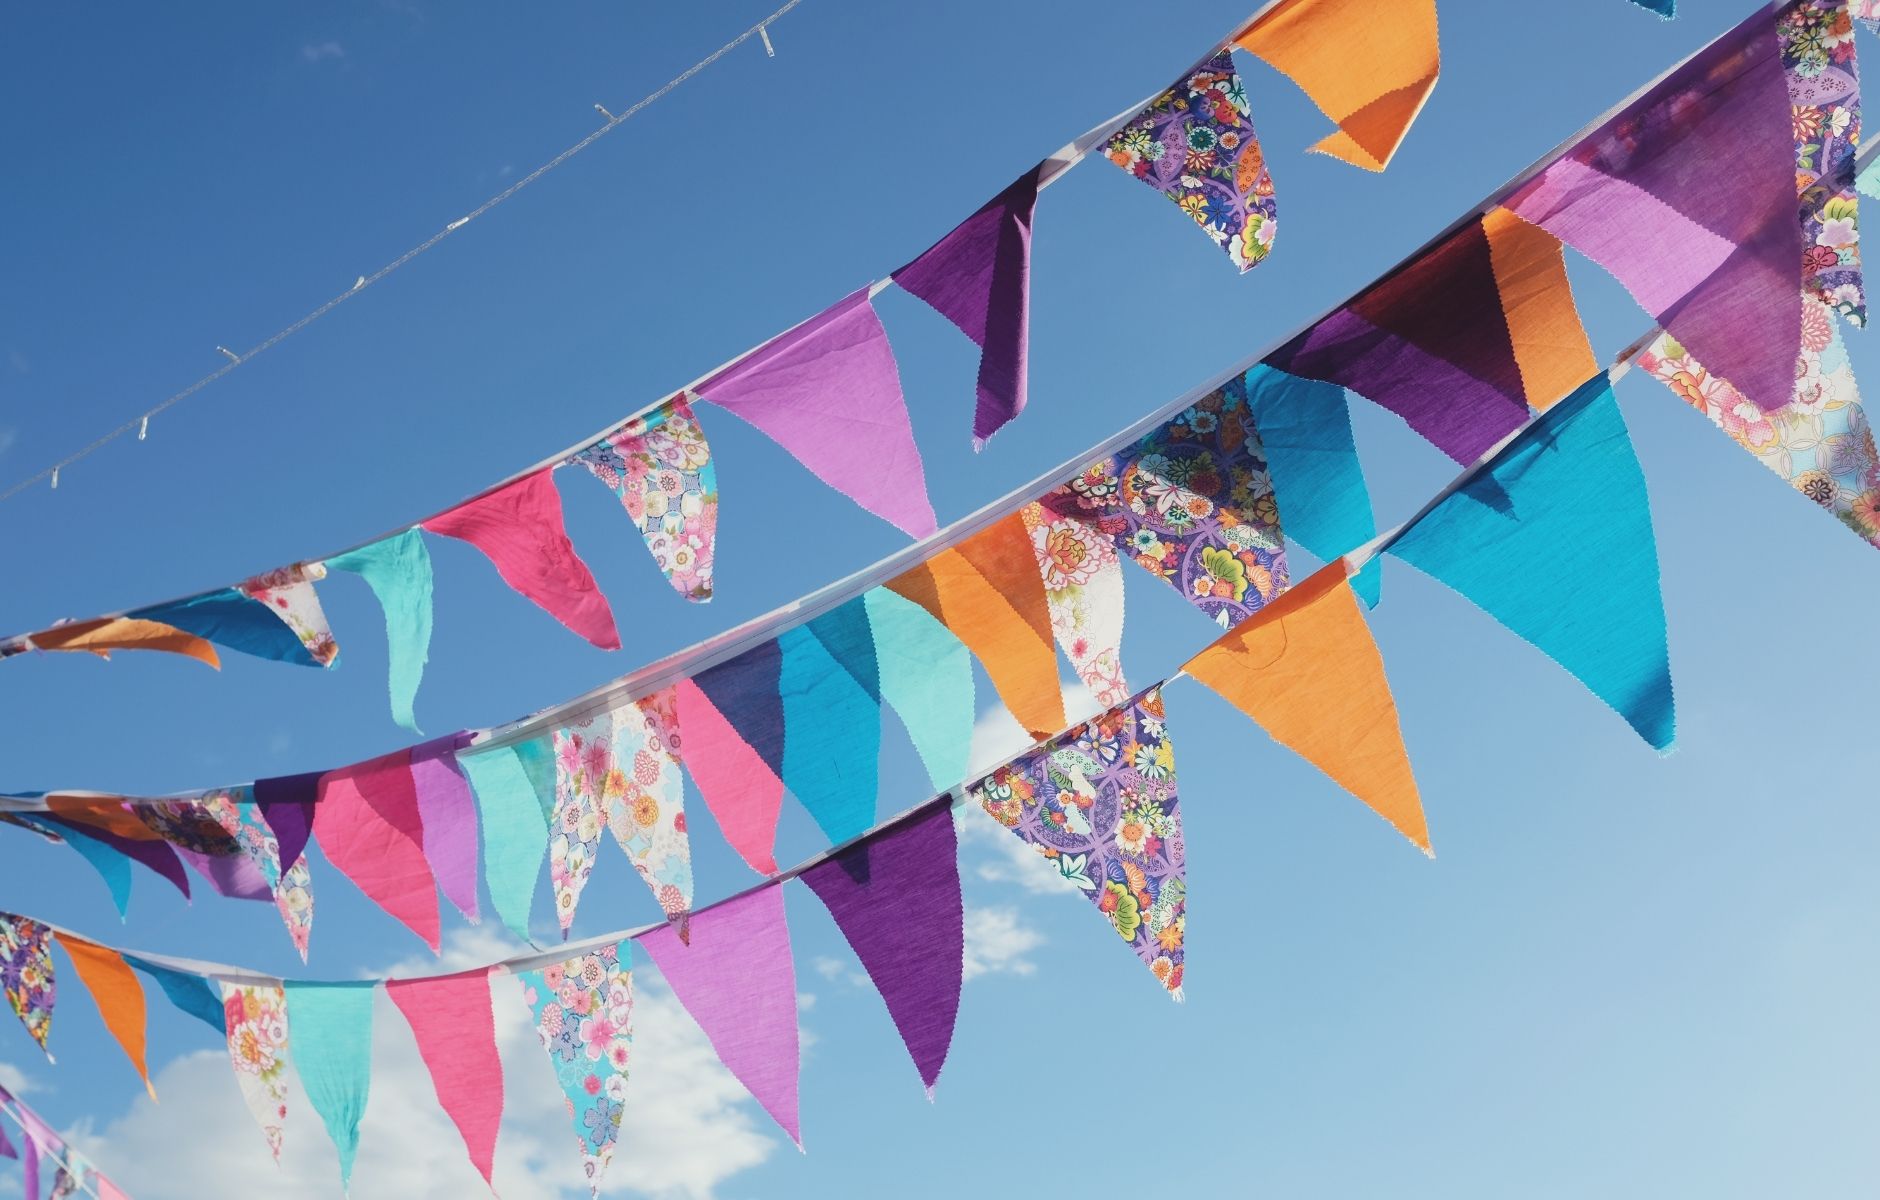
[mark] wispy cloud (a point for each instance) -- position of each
(314, 52)
(9, 436)
(15, 1080)
(997, 942)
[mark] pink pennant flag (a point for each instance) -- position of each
(448, 814)
(828, 392)
(740, 788)
(451, 1019)
(737, 981)
(367, 821)
(519, 527)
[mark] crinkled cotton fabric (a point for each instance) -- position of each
(583, 1009)
(660, 465)
(256, 1020)
(26, 974)
(288, 594)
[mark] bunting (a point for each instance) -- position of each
(731, 716)
(333, 1056)
(451, 1020)
(660, 465)
(583, 1009)
(256, 1017)
(286, 803)
(241, 818)
(105, 634)
(288, 594)
(369, 826)
(832, 737)
(447, 818)
(646, 803)
(26, 974)
(1083, 585)
(515, 793)
(236, 620)
(191, 994)
(583, 760)
(926, 677)
(398, 570)
(118, 995)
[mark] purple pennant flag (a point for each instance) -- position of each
(896, 898)
(7, 1148)
(200, 840)
(449, 813)
(737, 981)
(1688, 198)
(979, 278)
(829, 392)
(286, 804)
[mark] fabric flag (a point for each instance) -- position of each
(738, 982)
(448, 815)
(1369, 67)
(198, 838)
(731, 717)
(241, 819)
(286, 803)
(831, 737)
(398, 570)
(7, 1148)
(513, 808)
(828, 391)
(1544, 330)
(1429, 342)
(845, 632)
(1305, 429)
(1099, 802)
(519, 527)
(112, 867)
(1083, 584)
(191, 994)
(646, 810)
(1195, 144)
(1868, 11)
(926, 676)
(118, 995)
(333, 1054)
(988, 591)
(1823, 75)
(452, 1022)
(896, 898)
(583, 1010)
(26, 974)
(660, 465)
(1664, 8)
(105, 634)
(1192, 503)
(1308, 671)
(1688, 198)
(235, 621)
(145, 849)
(1554, 540)
(288, 593)
(582, 763)
(256, 1020)
(979, 278)
(369, 825)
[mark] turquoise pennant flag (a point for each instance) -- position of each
(927, 678)
(189, 993)
(398, 570)
(113, 867)
(513, 809)
(1554, 540)
(1664, 8)
(831, 737)
(332, 1024)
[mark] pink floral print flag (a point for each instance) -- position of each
(583, 1010)
(26, 974)
(256, 1018)
(1083, 583)
(1195, 144)
(1099, 803)
(660, 466)
(288, 593)
(292, 889)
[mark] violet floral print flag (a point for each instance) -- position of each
(26, 974)
(1818, 60)
(1099, 803)
(584, 1015)
(660, 466)
(1195, 144)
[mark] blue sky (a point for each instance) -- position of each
(1622, 976)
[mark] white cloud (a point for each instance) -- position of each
(997, 942)
(1002, 858)
(314, 52)
(15, 1080)
(9, 437)
(998, 736)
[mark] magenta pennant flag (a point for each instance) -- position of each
(737, 981)
(451, 1018)
(1688, 198)
(448, 812)
(896, 898)
(519, 527)
(829, 392)
(368, 823)
(979, 278)
(731, 723)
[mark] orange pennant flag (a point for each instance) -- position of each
(1368, 66)
(118, 995)
(1307, 669)
(1550, 344)
(105, 634)
(989, 592)
(101, 812)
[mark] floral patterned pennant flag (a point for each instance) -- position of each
(256, 1020)
(1099, 803)
(1083, 583)
(199, 840)
(231, 618)
(1195, 144)
(241, 819)
(660, 466)
(1823, 75)
(288, 594)
(583, 1010)
(26, 974)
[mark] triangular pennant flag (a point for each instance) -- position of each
(398, 570)
(647, 811)
(896, 898)
(235, 621)
(241, 818)
(660, 465)
(198, 838)
(583, 1009)
(731, 720)
(1083, 584)
(156, 855)
(1305, 428)
(845, 633)
(255, 1016)
(926, 676)
(1430, 343)
(574, 831)
(988, 591)
(828, 391)
(1554, 540)
(519, 528)
(1099, 802)
(1195, 144)
(1544, 329)
(448, 814)
(190, 994)
(514, 817)
(288, 594)
(1823, 75)
(1664, 8)
(738, 982)
(832, 737)
(1308, 671)
(368, 823)
(451, 1019)
(105, 634)
(118, 995)
(979, 278)
(112, 867)
(7, 1148)
(26, 974)
(1688, 198)
(333, 1055)
(1369, 67)
(286, 803)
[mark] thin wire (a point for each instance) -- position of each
(236, 360)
